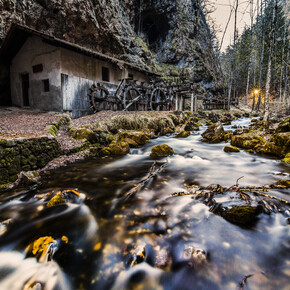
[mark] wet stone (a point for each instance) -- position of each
(231, 149)
(161, 151)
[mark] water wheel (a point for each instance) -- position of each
(131, 99)
(99, 98)
(158, 100)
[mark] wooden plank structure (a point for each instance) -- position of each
(157, 95)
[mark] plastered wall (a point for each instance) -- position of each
(35, 52)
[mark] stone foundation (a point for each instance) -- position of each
(21, 154)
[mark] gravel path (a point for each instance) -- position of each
(15, 122)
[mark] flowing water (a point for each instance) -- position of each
(113, 237)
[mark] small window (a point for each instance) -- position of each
(37, 68)
(45, 85)
(131, 76)
(105, 74)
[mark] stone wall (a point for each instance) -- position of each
(18, 155)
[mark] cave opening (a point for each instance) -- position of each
(155, 28)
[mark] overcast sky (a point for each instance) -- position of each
(222, 14)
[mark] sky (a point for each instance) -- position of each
(222, 13)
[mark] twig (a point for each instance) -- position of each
(152, 173)
(237, 184)
(243, 282)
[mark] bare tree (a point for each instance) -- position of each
(268, 79)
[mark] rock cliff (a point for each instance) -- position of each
(168, 36)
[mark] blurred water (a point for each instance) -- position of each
(110, 224)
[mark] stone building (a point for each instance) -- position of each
(51, 74)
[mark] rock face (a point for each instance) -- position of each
(163, 35)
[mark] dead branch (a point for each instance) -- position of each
(152, 173)
(237, 182)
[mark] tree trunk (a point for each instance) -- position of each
(251, 54)
(261, 58)
(282, 69)
(268, 79)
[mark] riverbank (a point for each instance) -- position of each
(106, 133)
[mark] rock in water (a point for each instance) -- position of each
(183, 134)
(161, 151)
(243, 215)
(214, 133)
(231, 149)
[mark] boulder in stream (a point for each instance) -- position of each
(242, 215)
(161, 151)
(134, 138)
(192, 125)
(214, 133)
(248, 140)
(284, 126)
(287, 158)
(182, 134)
(116, 148)
(231, 149)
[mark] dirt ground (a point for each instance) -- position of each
(26, 123)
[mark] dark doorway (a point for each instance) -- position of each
(25, 89)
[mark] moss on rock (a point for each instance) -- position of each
(57, 199)
(243, 215)
(287, 158)
(161, 151)
(248, 140)
(134, 138)
(284, 126)
(182, 134)
(231, 149)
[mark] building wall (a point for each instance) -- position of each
(79, 72)
(36, 52)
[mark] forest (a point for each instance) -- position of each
(256, 64)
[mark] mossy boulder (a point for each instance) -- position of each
(134, 138)
(243, 215)
(269, 148)
(231, 149)
(161, 151)
(287, 158)
(284, 126)
(214, 133)
(228, 135)
(213, 117)
(120, 148)
(105, 151)
(40, 248)
(29, 177)
(116, 148)
(192, 125)
(248, 140)
(82, 133)
(57, 199)
(182, 134)
(282, 139)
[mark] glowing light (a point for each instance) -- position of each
(256, 92)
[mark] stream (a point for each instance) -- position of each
(112, 237)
